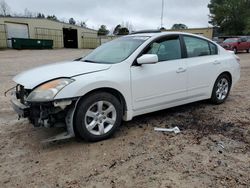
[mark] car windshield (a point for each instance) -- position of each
(230, 40)
(115, 51)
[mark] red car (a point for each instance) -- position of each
(237, 44)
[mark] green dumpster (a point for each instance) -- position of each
(21, 43)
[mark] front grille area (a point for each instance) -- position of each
(39, 113)
(22, 93)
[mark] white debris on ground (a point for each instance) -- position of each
(176, 130)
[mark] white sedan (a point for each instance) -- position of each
(124, 78)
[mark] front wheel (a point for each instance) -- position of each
(221, 89)
(98, 116)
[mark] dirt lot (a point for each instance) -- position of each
(212, 150)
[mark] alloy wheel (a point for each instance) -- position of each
(100, 117)
(222, 89)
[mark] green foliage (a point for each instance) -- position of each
(83, 24)
(119, 30)
(230, 16)
(123, 31)
(52, 17)
(40, 15)
(179, 26)
(116, 30)
(247, 28)
(72, 21)
(103, 30)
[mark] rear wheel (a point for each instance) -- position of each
(98, 116)
(248, 50)
(221, 89)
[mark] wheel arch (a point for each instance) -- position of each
(212, 86)
(228, 74)
(112, 91)
(213, 97)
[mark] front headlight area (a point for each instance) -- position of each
(47, 91)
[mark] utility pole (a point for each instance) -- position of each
(162, 9)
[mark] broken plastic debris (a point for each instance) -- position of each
(221, 145)
(175, 129)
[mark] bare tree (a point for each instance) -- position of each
(4, 8)
(28, 13)
(128, 25)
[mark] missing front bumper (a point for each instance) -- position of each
(21, 109)
(46, 114)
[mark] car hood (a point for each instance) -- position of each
(31, 78)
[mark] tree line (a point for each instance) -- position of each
(120, 29)
(228, 17)
(5, 12)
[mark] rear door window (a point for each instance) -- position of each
(213, 48)
(198, 47)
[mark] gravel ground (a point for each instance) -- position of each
(212, 150)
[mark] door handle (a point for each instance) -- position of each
(181, 69)
(216, 62)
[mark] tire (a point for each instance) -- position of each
(248, 50)
(221, 89)
(98, 116)
(235, 50)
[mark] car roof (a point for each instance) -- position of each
(153, 34)
(165, 33)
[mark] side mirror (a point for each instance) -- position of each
(147, 59)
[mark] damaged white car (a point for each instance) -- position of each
(124, 78)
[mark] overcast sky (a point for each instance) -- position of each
(142, 14)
